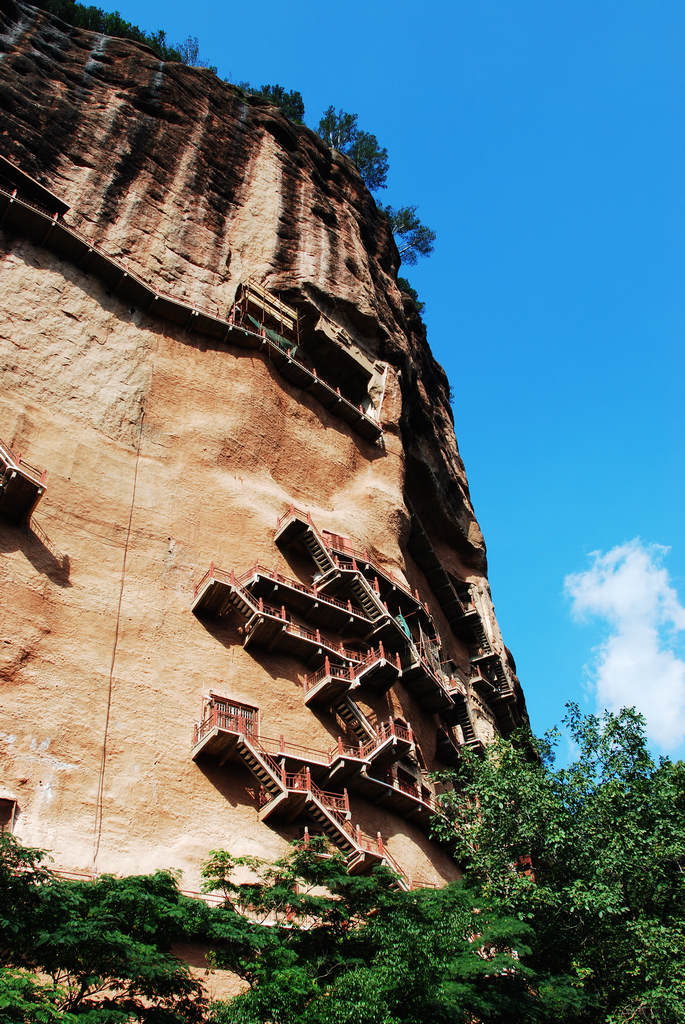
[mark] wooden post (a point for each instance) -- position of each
(308, 779)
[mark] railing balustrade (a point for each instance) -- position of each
(15, 461)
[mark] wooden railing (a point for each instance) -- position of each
(15, 461)
(245, 724)
(334, 542)
(351, 671)
(384, 731)
(260, 607)
(288, 581)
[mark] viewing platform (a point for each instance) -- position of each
(425, 683)
(21, 486)
(454, 596)
(401, 795)
(459, 716)
(388, 586)
(219, 592)
(226, 727)
(491, 675)
(376, 668)
(310, 602)
(14, 180)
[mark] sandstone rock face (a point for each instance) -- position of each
(168, 449)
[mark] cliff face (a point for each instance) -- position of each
(172, 440)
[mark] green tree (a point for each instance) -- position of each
(404, 286)
(604, 888)
(338, 130)
(413, 238)
(290, 101)
(341, 949)
(341, 131)
(24, 1000)
(104, 945)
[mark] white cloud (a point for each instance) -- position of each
(637, 665)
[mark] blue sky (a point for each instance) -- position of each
(544, 145)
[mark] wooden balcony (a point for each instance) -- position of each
(21, 486)
(424, 682)
(407, 799)
(348, 574)
(313, 605)
(226, 728)
(220, 592)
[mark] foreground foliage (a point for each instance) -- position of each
(104, 945)
(605, 891)
(346, 950)
(572, 909)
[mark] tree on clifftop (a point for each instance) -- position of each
(413, 238)
(290, 101)
(341, 132)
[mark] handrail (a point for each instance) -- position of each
(350, 672)
(15, 461)
(288, 581)
(336, 804)
(298, 513)
(273, 746)
(329, 541)
(293, 512)
(193, 309)
(384, 731)
(334, 542)
(411, 790)
(260, 607)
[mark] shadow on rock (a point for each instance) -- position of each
(32, 540)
